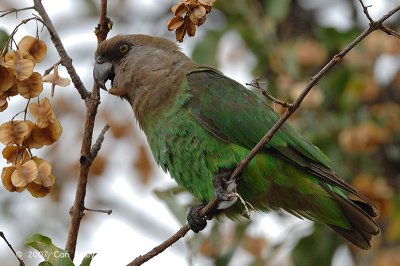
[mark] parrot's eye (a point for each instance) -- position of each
(124, 48)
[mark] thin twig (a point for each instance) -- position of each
(11, 37)
(105, 24)
(389, 31)
(365, 10)
(160, 248)
(92, 101)
(371, 21)
(21, 262)
(256, 83)
(97, 145)
(97, 210)
(47, 71)
(77, 211)
(66, 60)
(212, 205)
(14, 10)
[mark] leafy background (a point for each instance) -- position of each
(353, 115)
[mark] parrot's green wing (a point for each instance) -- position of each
(235, 114)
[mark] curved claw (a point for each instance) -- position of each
(225, 190)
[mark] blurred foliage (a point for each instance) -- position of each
(316, 249)
(350, 115)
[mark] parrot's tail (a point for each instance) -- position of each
(359, 214)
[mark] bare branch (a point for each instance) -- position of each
(105, 24)
(88, 154)
(160, 248)
(389, 31)
(14, 10)
(97, 210)
(97, 145)
(365, 10)
(47, 71)
(92, 101)
(212, 205)
(11, 37)
(256, 83)
(21, 262)
(371, 21)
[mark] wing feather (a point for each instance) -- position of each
(233, 113)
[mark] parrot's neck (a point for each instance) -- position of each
(159, 89)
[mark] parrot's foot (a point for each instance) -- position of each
(196, 222)
(225, 190)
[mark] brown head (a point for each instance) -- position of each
(143, 69)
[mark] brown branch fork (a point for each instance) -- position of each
(92, 101)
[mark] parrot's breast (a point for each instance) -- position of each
(184, 148)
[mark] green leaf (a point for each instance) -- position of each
(45, 263)
(88, 259)
(53, 255)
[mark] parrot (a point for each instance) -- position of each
(200, 124)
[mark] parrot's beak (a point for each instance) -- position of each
(102, 72)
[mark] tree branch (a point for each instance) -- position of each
(10, 38)
(371, 21)
(256, 83)
(212, 205)
(105, 24)
(389, 31)
(14, 10)
(92, 101)
(97, 145)
(87, 156)
(21, 262)
(365, 10)
(108, 212)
